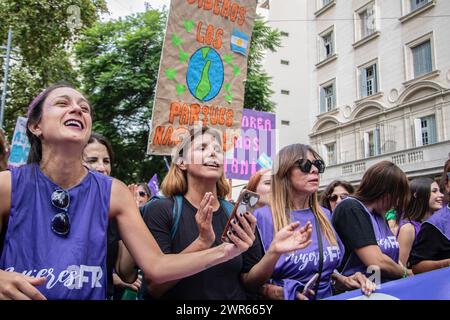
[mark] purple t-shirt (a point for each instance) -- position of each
(75, 266)
(293, 270)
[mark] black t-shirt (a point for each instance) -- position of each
(221, 282)
(111, 254)
(431, 244)
(353, 225)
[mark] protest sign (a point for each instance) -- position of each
(202, 70)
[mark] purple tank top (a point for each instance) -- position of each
(75, 266)
(293, 270)
(441, 220)
(385, 240)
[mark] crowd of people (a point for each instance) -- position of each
(69, 230)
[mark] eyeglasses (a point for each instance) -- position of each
(305, 166)
(334, 197)
(61, 221)
(143, 194)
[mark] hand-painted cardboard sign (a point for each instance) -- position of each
(20, 146)
(202, 71)
(254, 148)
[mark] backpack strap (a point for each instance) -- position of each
(176, 214)
(227, 206)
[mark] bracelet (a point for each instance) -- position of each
(405, 272)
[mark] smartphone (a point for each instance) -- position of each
(310, 284)
(246, 203)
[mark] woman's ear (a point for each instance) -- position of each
(181, 164)
(35, 129)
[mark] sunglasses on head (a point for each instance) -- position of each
(334, 197)
(305, 165)
(61, 221)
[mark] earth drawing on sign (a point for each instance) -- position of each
(205, 74)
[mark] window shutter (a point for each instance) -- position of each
(334, 95)
(377, 141)
(362, 82)
(366, 145)
(418, 132)
(375, 75)
(432, 129)
(323, 107)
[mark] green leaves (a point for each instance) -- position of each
(171, 73)
(181, 88)
(176, 41)
(184, 56)
(236, 70)
(188, 25)
(228, 58)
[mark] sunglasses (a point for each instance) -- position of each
(143, 194)
(305, 166)
(61, 221)
(334, 197)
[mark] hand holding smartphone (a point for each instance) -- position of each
(246, 203)
(309, 285)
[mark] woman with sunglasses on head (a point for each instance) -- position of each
(431, 250)
(359, 221)
(295, 183)
(335, 192)
(196, 176)
(425, 200)
(260, 183)
(54, 213)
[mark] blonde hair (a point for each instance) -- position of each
(282, 191)
(175, 182)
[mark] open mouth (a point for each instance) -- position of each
(74, 123)
(212, 164)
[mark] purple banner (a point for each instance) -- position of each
(256, 142)
(153, 185)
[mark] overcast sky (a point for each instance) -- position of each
(121, 8)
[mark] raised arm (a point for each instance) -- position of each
(157, 266)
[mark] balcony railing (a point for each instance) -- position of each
(421, 161)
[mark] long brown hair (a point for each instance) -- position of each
(385, 178)
(175, 182)
(3, 151)
(281, 200)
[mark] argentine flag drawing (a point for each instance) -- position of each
(239, 42)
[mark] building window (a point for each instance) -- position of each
(365, 21)
(425, 131)
(331, 153)
(326, 45)
(416, 4)
(368, 80)
(286, 92)
(285, 122)
(328, 97)
(372, 145)
(285, 62)
(422, 61)
(284, 34)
